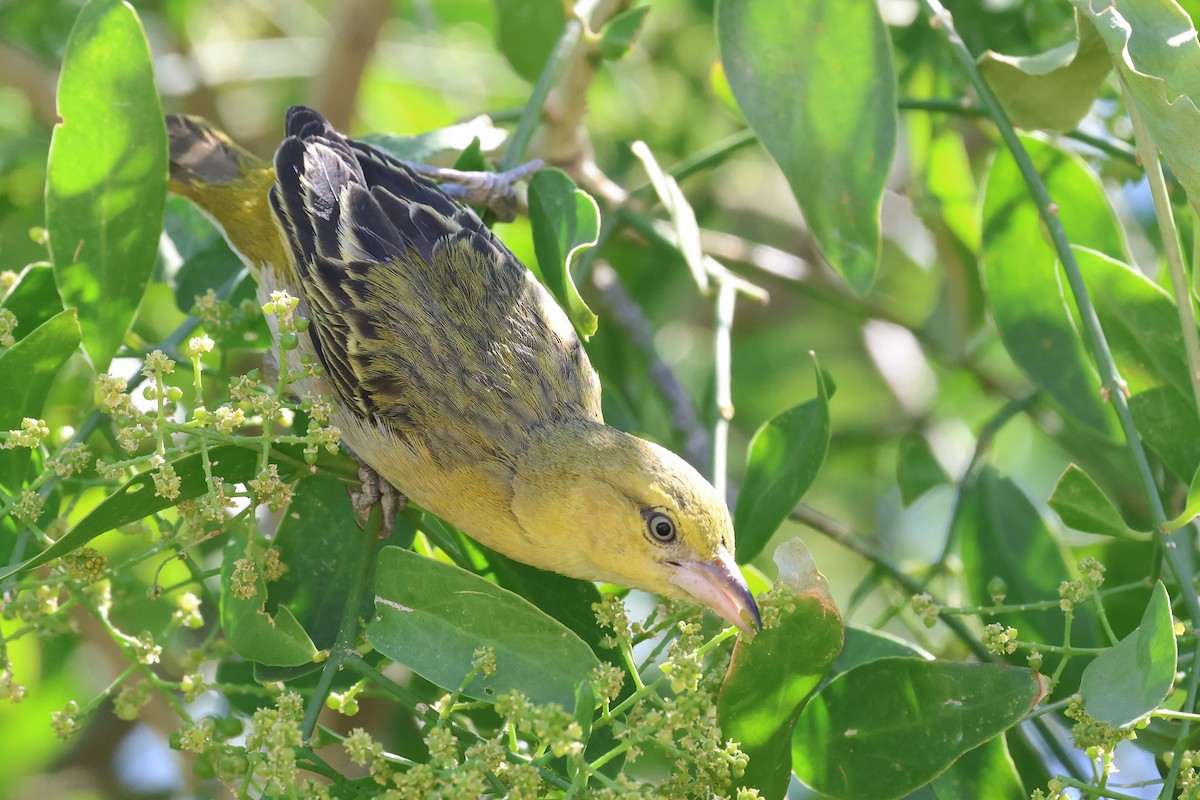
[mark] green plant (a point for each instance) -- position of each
(1006, 403)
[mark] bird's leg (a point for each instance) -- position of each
(377, 490)
(494, 190)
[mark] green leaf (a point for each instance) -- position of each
(106, 182)
(619, 35)
(771, 674)
(431, 617)
(683, 218)
(27, 370)
(825, 111)
(136, 499)
(320, 520)
(1135, 675)
(865, 644)
(565, 222)
(783, 460)
(526, 32)
(1191, 509)
(1141, 325)
(892, 725)
(985, 772)
(1022, 273)
(568, 600)
(917, 469)
(423, 147)
(278, 639)
(1052, 90)
(1002, 535)
(1154, 48)
(33, 299)
(1083, 505)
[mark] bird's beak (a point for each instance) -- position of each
(719, 585)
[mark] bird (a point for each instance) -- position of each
(454, 374)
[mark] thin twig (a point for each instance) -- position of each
(1148, 153)
(354, 28)
(723, 362)
(348, 629)
(1093, 333)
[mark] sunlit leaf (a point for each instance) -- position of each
(772, 673)
(273, 638)
(106, 183)
(565, 222)
(892, 725)
(683, 218)
(526, 32)
(432, 617)
(27, 369)
(1135, 675)
(1155, 50)
(1022, 274)
(825, 111)
(423, 147)
(33, 300)
(783, 460)
(136, 499)
(618, 36)
(1052, 90)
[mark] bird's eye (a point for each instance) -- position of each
(662, 529)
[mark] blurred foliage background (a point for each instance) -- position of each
(916, 354)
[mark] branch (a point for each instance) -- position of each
(35, 82)
(353, 32)
(629, 315)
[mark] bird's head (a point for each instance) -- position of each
(609, 506)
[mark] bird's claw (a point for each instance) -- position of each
(377, 490)
(494, 190)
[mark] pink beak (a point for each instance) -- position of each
(719, 585)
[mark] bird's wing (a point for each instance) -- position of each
(422, 318)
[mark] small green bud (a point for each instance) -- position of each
(997, 589)
(202, 767)
(231, 765)
(229, 727)
(302, 324)
(289, 341)
(174, 394)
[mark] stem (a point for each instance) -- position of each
(1148, 153)
(726, 299)
(531, 114)
(1093, 334)
(343, 646)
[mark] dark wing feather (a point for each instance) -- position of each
(422, 318)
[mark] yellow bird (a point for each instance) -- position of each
(456, 376)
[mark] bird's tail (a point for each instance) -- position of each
(229, 184)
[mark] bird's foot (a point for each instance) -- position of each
(494, 190)
(375, 489)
